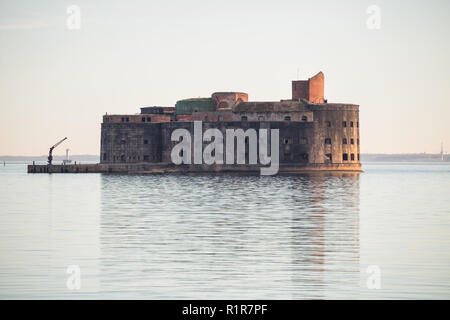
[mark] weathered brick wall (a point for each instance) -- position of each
(304, 116)
(227, 100)
(220, 115)
(183, 117)
(295, 137)
(300, 89)
(157, 110)
(130, 142)
(312, 90)
(317, 88)
(320, 140)
(329, 132)
(137, 118)
(336, 123)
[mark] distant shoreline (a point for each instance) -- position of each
(81, 157)
(405, 157)
(365, 157)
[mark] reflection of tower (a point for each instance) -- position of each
(325, 237)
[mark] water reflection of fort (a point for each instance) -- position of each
(230, 237)
(325, 237)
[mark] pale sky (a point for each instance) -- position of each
(57, 82)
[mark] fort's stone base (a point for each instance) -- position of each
(152, 168)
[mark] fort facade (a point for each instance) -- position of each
(313, 134)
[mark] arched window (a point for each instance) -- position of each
(344, 141)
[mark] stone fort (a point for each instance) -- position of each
(315, 135)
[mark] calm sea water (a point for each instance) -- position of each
(227, 237)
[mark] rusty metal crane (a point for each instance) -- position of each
(50, 157)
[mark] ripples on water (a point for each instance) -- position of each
(225, 237)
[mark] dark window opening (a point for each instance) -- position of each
(104, 157)
(351, 124)
(127, 119)
(304, 156)
(143, 119)
(145, 141)
(329, 156)
(357, 141)
(345, 156)
(304, 118)
(344, 141)
(328, 123)
(287, 140)
(123, 141)
(328, 141)
(145, 158)
(352, 157)
(357, 124)
(244, 118)
(358, 156)
(352, 141)
(149, 119)
(287, 118)
(344, 123)
(123, 119)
